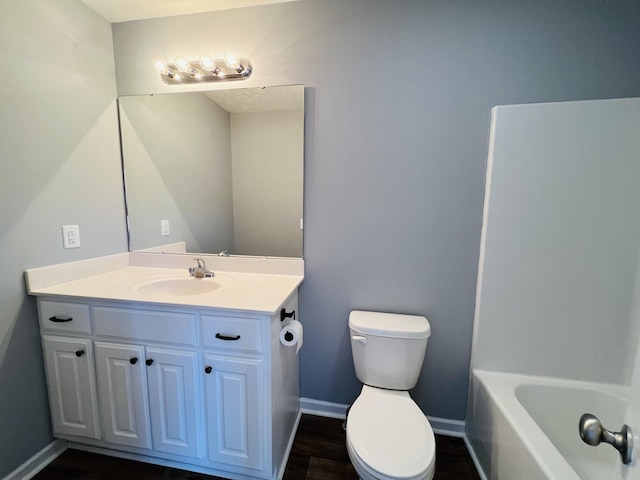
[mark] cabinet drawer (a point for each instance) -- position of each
(231, 333)
(150, 325)
(64, 317)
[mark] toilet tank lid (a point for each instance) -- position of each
(389, 324)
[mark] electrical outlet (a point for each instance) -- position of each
(70, 236)
(164, 227)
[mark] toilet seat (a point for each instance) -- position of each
(389, 436)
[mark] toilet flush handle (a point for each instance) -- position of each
(359, 338)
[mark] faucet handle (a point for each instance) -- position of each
(201, 263)
(593, 433)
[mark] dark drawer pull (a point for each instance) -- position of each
(149, 362)
(79, 353)
(227, 337)
(60, 320)
(133, 360)
(208, 370)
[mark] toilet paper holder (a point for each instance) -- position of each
(284, 315)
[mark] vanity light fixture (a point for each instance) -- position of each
(205, 69)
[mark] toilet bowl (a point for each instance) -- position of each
(388, 436)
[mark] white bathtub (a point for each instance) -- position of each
(526, 428)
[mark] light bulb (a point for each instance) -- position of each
(207, 63)
(182, 64)
(160, 65)
(232, 61)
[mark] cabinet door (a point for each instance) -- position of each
(123, 392)
(235, 423)
(173, 401)
(72, 386)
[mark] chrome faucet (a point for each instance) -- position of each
(200, 270)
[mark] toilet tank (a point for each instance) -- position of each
(387, 348)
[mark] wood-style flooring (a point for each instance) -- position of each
(318, 453)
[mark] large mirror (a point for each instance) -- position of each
(212, 172)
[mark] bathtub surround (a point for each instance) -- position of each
(394, 165)
(557, 289)
(559, 224)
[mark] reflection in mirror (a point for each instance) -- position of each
(219, 171)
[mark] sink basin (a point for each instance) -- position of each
(181, 287)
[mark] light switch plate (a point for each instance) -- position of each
(164, 227)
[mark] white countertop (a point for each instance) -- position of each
(257, 292)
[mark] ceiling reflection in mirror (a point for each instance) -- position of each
(212, 172)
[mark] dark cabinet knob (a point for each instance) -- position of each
(79, 353)
(133, 360)
(149, 361)
(208, 370)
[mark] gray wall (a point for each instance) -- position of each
(397, 114)
(58, 131)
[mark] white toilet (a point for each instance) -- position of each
(388, 436)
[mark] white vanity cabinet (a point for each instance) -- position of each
(205, 387)
(148, 397)
(123, 394)
(148, 394)
(234, 390)
(71, 381)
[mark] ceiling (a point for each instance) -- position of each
(116, 11)
(251, 100)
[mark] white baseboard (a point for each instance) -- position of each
(44, 457)
(446, 426)
(322, 408)
(474, 457)
(441, 426)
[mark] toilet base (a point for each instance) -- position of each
(362, 473)
(393, 434)
(365, 474)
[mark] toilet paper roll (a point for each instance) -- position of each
(291, 334)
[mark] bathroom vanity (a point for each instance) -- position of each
(150, 363)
